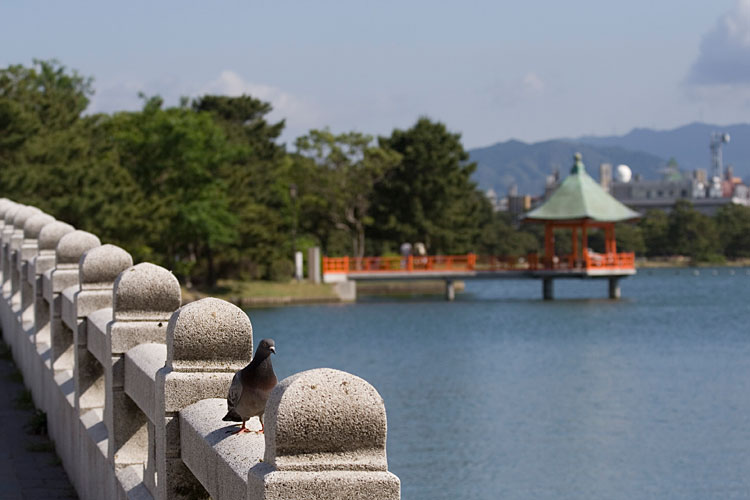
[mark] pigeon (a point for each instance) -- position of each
(251, 386)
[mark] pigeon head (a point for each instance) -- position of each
(266, 347)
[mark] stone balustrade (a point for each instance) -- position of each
(134, 383)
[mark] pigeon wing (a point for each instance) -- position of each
(235, 392)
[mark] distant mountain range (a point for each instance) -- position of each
(645, 151)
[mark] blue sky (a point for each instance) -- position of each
(492, 70)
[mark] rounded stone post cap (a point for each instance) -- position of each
(325, 419)
(10, 214)
(49, 235)
(22, 215)
(34, 225)
(209, 335)
(100, 266)
(5, 205)
(146, 292)
(73, 245)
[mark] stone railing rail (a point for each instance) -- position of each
(134, 384)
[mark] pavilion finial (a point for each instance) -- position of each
(577, 164)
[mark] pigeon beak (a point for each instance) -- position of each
(272, 349)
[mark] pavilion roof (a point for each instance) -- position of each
(581, 197)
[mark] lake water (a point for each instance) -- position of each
(502, 395)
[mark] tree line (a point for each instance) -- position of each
(206, 189)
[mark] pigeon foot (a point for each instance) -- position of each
(241, 430)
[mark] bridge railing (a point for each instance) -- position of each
(473, 262)
(134, 384)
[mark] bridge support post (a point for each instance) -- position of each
(450, 290)
(614, 288)
(548, 289)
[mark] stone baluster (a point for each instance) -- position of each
(207, 341)
(68, 253)
(60, 397)
(5, 206)
(16, 241)
(98, 269)
(29, 250)
(325, 438)
(5, 237)
(49, 237)
(145, 296)
(47, 241)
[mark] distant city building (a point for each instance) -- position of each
(706, 197)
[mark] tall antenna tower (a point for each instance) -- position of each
(717, 139)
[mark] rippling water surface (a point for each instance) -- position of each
(502, 395)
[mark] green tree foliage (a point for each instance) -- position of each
(44, 143)
(259, 176)
(733, 224)
(175, 156)
(429, 195)
(498, 237)
(349, 166)
(691, 233)
(654, 227)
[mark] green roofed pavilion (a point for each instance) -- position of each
(580, 204)
(580, 197)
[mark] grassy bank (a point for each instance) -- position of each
(270, 293)
(262, 293)
(680, 261)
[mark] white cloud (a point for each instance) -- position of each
(527, 89)
(532, 83)
(724, 56)
(297, 112)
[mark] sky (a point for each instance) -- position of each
(492, 70)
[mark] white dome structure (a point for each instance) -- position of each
(623, 173)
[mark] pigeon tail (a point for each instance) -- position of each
(232, 416)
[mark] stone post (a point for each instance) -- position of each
(5, 206)
(325, 438)
(70, 249)
(313, 265)
(16, 241)
(207, 341)
(145, 296)
(5, 238)
(29, 250)
(98, 269)
(49, 237)
(47, 241)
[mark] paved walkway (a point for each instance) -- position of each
(29, 468)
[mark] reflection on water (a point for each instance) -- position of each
(503, 395)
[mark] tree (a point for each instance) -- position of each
(44, 143)
(654, 227)
(498, 237)
(733, 223)
(691, 233)
(174, 156)
(428, 196)
(259, 175)
(350, 166)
